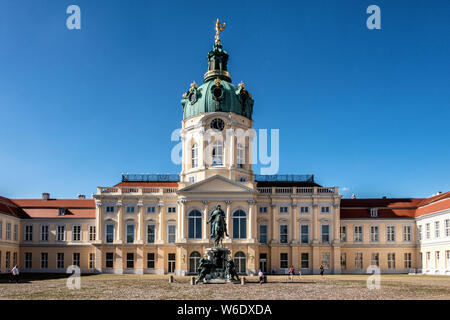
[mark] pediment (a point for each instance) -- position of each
(217, 184)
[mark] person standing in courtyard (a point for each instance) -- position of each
(291, 273)
(15, 274)
(321, 270)
(261, 276)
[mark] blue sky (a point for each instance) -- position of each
(366, 110)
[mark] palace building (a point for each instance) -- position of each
(159, 223)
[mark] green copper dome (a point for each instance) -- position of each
(217, 93)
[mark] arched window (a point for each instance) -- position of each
(194, 260)
(195, 155)
(240, 155)
(240, 261)
(195, 224)
(217, 153)
(239, 225)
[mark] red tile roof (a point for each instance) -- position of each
(9, 208)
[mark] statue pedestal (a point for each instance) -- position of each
(218, 257)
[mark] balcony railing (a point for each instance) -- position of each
(135, 190)
(299, 190)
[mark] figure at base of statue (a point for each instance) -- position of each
(203, 269)
(230, 271)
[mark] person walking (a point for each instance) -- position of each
(291, 273)
(15, 274)
(321, 270)
(261, 276)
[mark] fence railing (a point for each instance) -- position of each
(135, 190)
(298, 190)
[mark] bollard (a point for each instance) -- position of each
(171, 279)
(192, 281)
(242, 280)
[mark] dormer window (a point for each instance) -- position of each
(62, 211)
(374, 212)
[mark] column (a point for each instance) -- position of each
(140, 226)
(232, 149)
(99, 221)
(183, 220)
(205, 220)
(162, 215)
(337, 222)
(251, 220)
(294, 229)
(228, 218)
(274, 227)
(315, 223)
(119, 205)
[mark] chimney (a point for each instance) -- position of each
(384, 197)
(353, 196)
(81, 196)
(45, 196)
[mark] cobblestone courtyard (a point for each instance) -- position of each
(158, 287)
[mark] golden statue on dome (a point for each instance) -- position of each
(219, 28)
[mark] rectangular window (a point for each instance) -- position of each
(130, 209)
(8, 231)
(447, 259)
(109, 209)
(61, 233)
(436, 229)
(263, 233)
(130, 260)
(390, 233)
(172, 209)
(374, 234)
(419, 232)
(1, 229)
(407, 233)
(28, 260)
(446, 225)
(76, 233)
(262, 209)
(44, 233)
(171, 234)
(305, 260)
(151, 210)
(326, 260)
(427, 231)
(150, 260)
(44, 260)
(343, 261)
(151, 233)
(343, 233)
(437, 265)
(14, 258)
(8, 259)
(284, 260)
(391, 260)
(28, 233)
(283, 233)
(284, 210)
(60, 260)
(325, 209)
(109, 260)
(130, 233)
(325, 233)
(358, 234)
(92, 233)
(375, 259)
(358, 260)
(304, 209)
(91, 260)
(408, 263)
(304, 233)
(374, 212)
(109, 233)
(76, 259)
(16, 232)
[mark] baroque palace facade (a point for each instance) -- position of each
(159, 223)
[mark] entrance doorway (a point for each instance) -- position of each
(171, 263)
(263, 262)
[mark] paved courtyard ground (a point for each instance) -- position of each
(158, 287)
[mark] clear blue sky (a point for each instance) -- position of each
(366, 110)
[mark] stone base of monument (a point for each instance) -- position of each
(218, 256)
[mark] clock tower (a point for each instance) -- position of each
(217, 126)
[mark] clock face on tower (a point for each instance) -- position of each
(217, 124)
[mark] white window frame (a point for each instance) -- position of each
(58, 233)
(174, 234)
(42, 233)
(194, 155)
(358, 236)
(148, 233)
(325, 209)
(28, 233)
(92, 232)
(374, 236)
(76, 234)
(407, 233)
(390, 233)
(437, 230)
(301, 233)
(304, 209)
